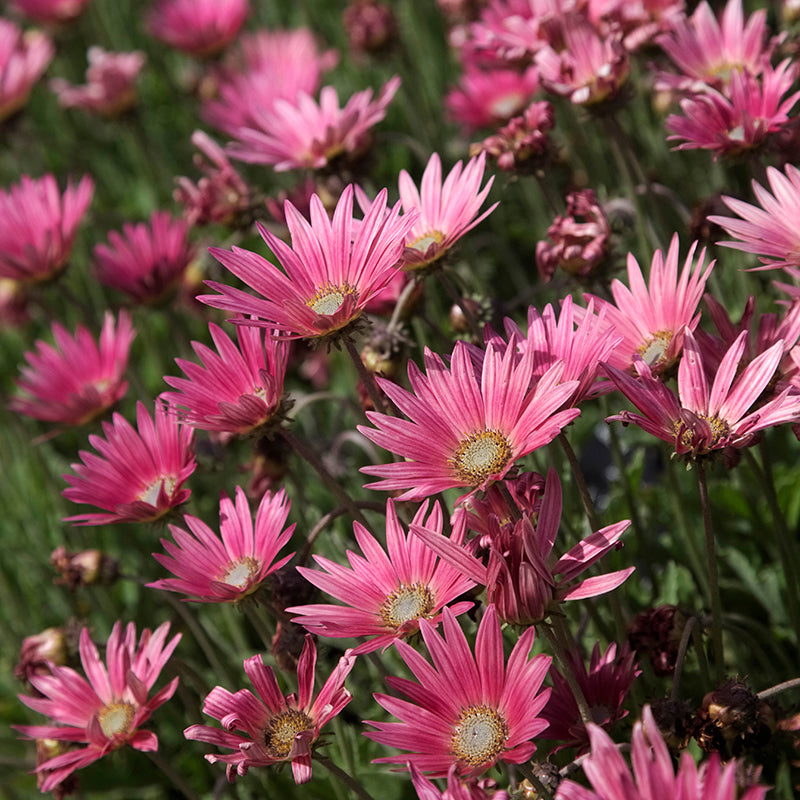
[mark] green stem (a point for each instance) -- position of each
(794, 683)
(580, 483)
(713, 578)
(343, 777)
(367, 377)
(556, 635)
(681, 657)
(542, 791)
(250, 608)
(458, 299)
(174, 777)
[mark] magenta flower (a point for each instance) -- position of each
(199, 27)
(136, 476)
(524, 142)
(707, 415)
(38, 226)
(773, 230)
(651, 319)
(456, 788)
(79, 378)
(386, 592)
(466, 426)
(110, 87)
(145, 261)
(229, 567)
(653, 774)
(301, 133)
(23, 59)
(236, 391)
(331, 271)
(273, 728)
(465, 711)
(106, 711)
(50, 10)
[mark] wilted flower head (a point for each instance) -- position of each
(656, 633)
(639, 21)
(523, 144)
(40, 652)
(50, 10)
(38, 226)
(371, 27)
(84, 568)
(23, 59)
(199, 27)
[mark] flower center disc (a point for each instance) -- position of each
(281, 730)
(150, 494)
(479, 735)
(422, 243)
(240, 572)
(115, 719)
(480, 455)
(653, 351)
(406, 603)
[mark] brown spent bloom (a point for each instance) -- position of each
(86, 568)
(523, 145)
(656, 633)
(371, 27)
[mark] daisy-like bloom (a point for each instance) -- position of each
(739, 122)
(229, 567)
(79, 378)
(466, 426)
(387, 592)
(237, 390)
(773, 230)
(638, 20)
(605, 686)
(303, 134)
(147, 260)
(38, 226)
(106, 711)
(50, 10)
(465, 711)
(331, 271)
(707, 416)
(653, 774)
(198, 27)
(23, 59)
(456, 788)
(273, 728)
(137, 476)
(652, 319)
(110, 87)
(520, 574)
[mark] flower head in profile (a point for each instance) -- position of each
(106, 711)
(50, 10)
(386, 592)
(78, 378)
(23, 59)
(331, 271)
(134, 476)
(466, 425)
(38, 226)
(468, 711)
(457, 789)
(225, 568)
(653, 772)
(147, 260)
(198, 27)
(267, 728)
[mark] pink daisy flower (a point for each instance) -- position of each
(651, 319)
(79, 378)
(331, 271)
(708, 415)
(137, 476)
(106, 711)
(386, 592)
(50, 10)
(23, 59)
(145, 261)
(110, 87)
(236, 391)
(773, 230)
(199, 27)
(466, 426)
(639, 21)
(465, 711)
(456, 788)
(38, 226)
(302, 134)
(231, 566)
(273, 728)
(653, 775)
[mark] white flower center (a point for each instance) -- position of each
(115, 719)
(240, 572)
(406, 603)
(479, 735)
(150, 494)
(479, 455)
(422, 243)
(653, 351)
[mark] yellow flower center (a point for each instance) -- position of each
(281, 730)
(115, 719)
(240, 572)
(689, 437)
(406, 603)
(479, 735)
(479, 455)
(422, 243)
(653, 350)
(328, 299)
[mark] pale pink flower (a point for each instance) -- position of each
(386, 592)
(38, 226)
(302, 133)
(136, 476)
(523, 144)
(272, 728)
(708, 415)
(651, 317)
(23, 59)
(465, 711)
(773, 230)
(654, 775)
(639, 21)
(466, 426)
(226, 568)
(331, 271)
(110, 87)
(106, 711)
(78, 378)
(50, 10)
(147, 260)
(199, 27)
